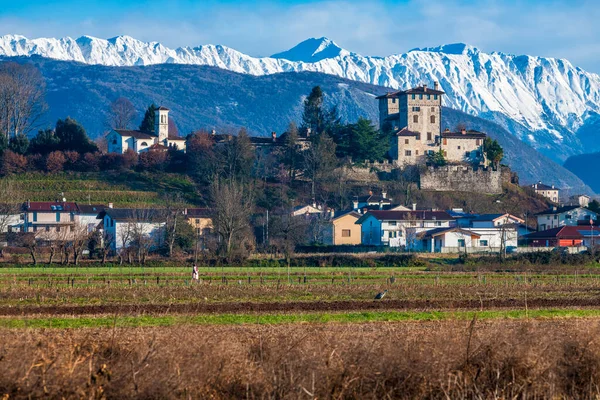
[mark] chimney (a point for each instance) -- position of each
(380, 204)
(355, 205)
(213, 132)
(384, 194)
(314, 204)
(553, 208)
(424, 87)
(447, 130)
(307, 132)
(370, 193)
(414, 206)
(436, 85)
(332, 212)
(552, 186)
(274, 136)
(463, 131)
(110, 205)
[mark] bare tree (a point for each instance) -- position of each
(122, 114)
(8, 206)
(288, 231)
(22, 103)
(80, 237)
(124, 234)
(175, 207)
(232, 208)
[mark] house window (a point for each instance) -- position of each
(392, 223)
(393, 101)
(468, 154)
(144, 144)
(435, 96)
(407, 153)
(438, 223)
(416, 152)
(393, 234)
(405, 141)
(73, 228)
(72, 217)
(57, 217)
(114, 142)
(568, 216)
(461, 242)
(197, 220)
(420, 97)
(432, 109)
(478, 142)
(198, 231)
(428, 97)
(58, 229)
(418, 136)
(413, 96)
(35, 228)
(345, 232)
(415, 119)
(47, 228)
(35, 217)
(429, 136)
(432, 119)
(483, 243)
(416, 109)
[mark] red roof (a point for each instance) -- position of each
(405, 132)
(51, 206)
(565, 232)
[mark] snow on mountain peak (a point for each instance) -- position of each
(312, 50)
(453, 48)
(538, 93)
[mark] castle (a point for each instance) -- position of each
(414, 117)
(120, 140)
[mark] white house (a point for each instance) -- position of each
(124, 225)
(495, 220)
(469, 240)
(580, 199)
(565, 216)
(548, 191)
(88, 215)
(400, 228)
(11, 219)
(121, 140)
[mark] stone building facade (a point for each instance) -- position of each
(415, 117)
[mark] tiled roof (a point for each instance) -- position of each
(135, 134)
(137, 214)
(405, 132)
(51, 206)
(419, 215)
(198, 212)
(373, 198)
(541, 186)
(560, 210)
(91, 208)
(173, 137)
(415, 90)
(163, 108)
(345, 213)
(493, 217)
(565, 232)
(441, 231)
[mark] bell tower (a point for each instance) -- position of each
(161, 124)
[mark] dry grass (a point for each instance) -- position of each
(452, 359)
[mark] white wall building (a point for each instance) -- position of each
(124, 225)
(565, 216)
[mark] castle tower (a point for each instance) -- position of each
(161, 124)
(421, 111)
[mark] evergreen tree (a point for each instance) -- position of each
(147, 124)
(367, 142)
(45, 142)
(312, 116)
(320, 160)
(237, 157)
(437, 159)
(18, 144)
(291, 152)
(202, 159)
(72, 136)
(493, 151)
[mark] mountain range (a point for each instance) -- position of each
(547, 103)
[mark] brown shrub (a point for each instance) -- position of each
(153, 160)
(13, 163)
(494, 359)
(55, 162)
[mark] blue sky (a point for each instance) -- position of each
(563, 29)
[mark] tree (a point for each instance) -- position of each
(436, 158)
(147, 124)
(319, 160)
(202, 159)
(287, 232)
(12, 163)
(18, 143)
(362, 141)
(291, 155)
(312, 116)
(493, 151)
(44, 142)
(9, 197)
(122, 114)
(55, 162)
(594, 206)
(232, 205)
(237, 157)
(153, 160)
(80, 237)
(22, 104)
(72, 136)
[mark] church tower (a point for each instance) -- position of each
(161, 124)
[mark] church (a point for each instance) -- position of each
(121, 140)
(415, 119)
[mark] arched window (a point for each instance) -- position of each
(114, 141)
(415, 119)
(432, 119)
(162, 119)
(144, 144)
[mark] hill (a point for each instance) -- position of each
(208, 97)
(585, 166)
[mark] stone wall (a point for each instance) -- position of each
(370, 172)
(459, 178)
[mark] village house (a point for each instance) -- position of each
(565, 236)
(565, 216)
(344, 230)
(400, 228)
(414, 118)
(48, 218)
(121, 140)
(580, 199)
(124, 226)
(307, 210)
(11, 218)
(548, 191)
(200, 219)
(372, 201)
(88, 215)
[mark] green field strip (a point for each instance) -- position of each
(318, 318)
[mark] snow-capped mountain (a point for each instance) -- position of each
(548, 98)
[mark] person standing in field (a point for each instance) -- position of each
(195, 272)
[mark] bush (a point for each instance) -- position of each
(13, 163)
(55, 162)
